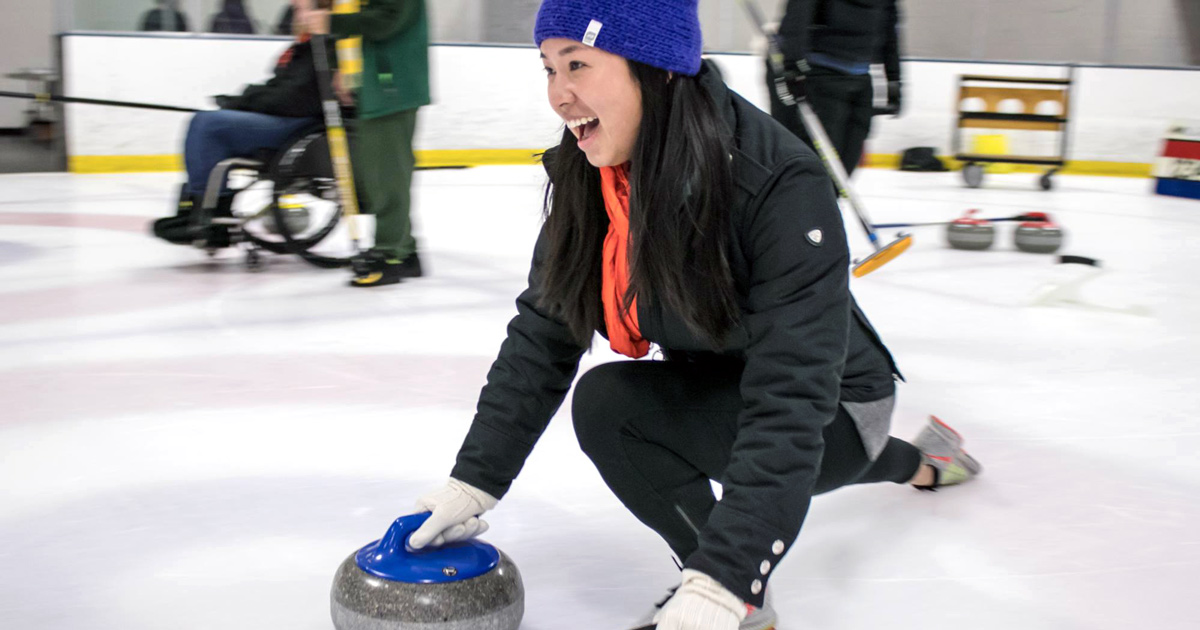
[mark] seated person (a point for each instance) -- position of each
(264, 116)
(165, 17)
(232, 19)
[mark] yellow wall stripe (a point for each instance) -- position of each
(124, 163)
(483, 157)
(428, 159)
(1074, 167)
(491, 157)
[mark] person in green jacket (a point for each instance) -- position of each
(394, 83)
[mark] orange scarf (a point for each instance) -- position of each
(623, 334)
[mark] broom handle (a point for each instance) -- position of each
(833, 162)
(335, 129)
(890, 226)
(48, 98)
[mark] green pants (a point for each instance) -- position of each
(384, 165)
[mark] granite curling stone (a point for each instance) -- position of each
(971, 234)
(469, 585)
(1038, 237)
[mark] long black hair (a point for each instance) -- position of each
(681, 195)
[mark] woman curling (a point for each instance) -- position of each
(680, 215)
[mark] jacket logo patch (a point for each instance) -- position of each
(815, 237)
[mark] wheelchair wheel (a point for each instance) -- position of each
(305, 219)
(973, 174)
(304, 216)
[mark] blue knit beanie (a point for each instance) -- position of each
(660, 33)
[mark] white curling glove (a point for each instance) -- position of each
(701, 603)
(456, 508)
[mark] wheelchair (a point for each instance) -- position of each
(284, 202)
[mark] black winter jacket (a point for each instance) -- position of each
(804, 343)
(231, 24)
(293, 92)
(862, 31)
(170, 20)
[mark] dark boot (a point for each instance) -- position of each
(374, 268)
(175, 229)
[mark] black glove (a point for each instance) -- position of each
(796, 76)
(225, 102)
(894, 97)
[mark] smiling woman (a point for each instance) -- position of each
(638, 125)
(679, 214)
(597, 95)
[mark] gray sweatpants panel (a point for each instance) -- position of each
(874, 421)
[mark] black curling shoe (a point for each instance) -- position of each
(176, 229)
(375, 269)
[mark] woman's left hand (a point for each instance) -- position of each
(701, 603)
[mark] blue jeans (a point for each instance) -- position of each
(216, 136)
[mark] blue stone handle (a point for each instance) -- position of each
(395, 541)
(390, 557)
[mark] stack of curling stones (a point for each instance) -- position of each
(1036, 234)
(469, 585)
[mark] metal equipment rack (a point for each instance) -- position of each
(1033, 92)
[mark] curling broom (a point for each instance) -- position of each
(335, 129)
(833, 163)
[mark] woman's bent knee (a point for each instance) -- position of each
(601, 397)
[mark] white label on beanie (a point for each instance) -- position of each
(593, 32)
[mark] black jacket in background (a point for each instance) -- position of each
(861, 31)
(805, 345)
(153, 20)
(293, 92)
(231, 24)
(284, 25)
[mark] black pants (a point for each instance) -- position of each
(843, 102)
(658, 431)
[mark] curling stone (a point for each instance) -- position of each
(1039, 237)
(469, 585)
(969, 233)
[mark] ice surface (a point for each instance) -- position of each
(186, 445)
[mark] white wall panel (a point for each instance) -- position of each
(182, 70)
(494, 98)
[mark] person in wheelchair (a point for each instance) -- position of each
(263, 118)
